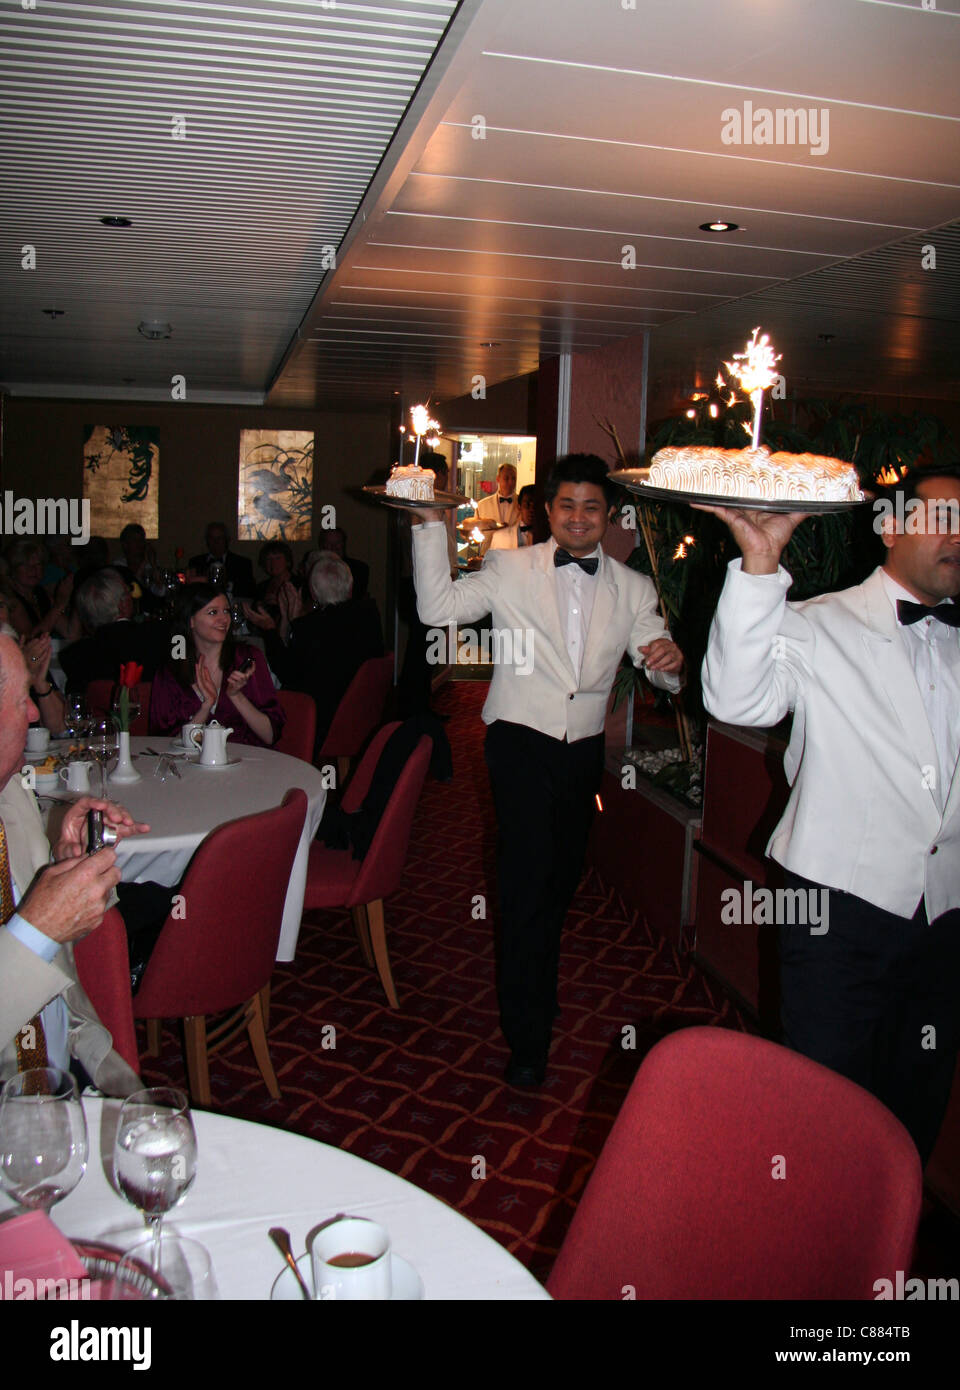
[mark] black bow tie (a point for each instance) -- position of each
(506, 499)
(526, 528)
(563, 557)
(909, 613)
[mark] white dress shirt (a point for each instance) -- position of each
(934, 652)
(54, 1018)
(575, 594)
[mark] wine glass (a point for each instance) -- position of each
(43, 1137)
(187, 1272)
(77, 717)
(102, 746)
(155, 1155)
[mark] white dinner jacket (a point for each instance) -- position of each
(488, 509)
(27, 983)
(864, 813)
(518, 589)
(506, 539)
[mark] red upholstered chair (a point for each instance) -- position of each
(336, 879)
(738, 1169)
(218, 952)
(103, 969)
(358, 714)
(100, 694)
(299, 732)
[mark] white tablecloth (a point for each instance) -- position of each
(251, 1177)
(182, 811)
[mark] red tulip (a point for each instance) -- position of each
(130, 674)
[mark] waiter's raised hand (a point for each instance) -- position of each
(662, 655)
(761, 536)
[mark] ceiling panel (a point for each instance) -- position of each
(313, 128)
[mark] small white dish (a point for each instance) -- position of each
(407, 1284)
(233, 760)
(48, 782)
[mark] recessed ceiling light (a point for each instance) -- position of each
(116, 221)
(489, 345)
(54, 313)
(718, 225)
(826, 338)
(154, 329)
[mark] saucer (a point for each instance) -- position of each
(407, 1284)
(233, 760)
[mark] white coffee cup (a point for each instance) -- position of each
(192, 736)
(38, 739)
(77, 776)
(351, 1238)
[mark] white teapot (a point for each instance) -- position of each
(214, 751)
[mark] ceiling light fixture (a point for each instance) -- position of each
(826, 338)
(718, 225)
(154, 329)
(116, 222)
(489, 345)
(54, 313)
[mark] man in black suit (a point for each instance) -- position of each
(237, 571)
(328, 645)
(105, 607)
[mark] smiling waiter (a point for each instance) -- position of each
(563, 612)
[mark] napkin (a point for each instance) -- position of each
(32, 1253)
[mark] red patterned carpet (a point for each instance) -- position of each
(420, 1091)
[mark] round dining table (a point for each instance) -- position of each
(251, 1177)
(181, 812)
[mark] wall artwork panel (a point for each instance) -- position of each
(121, 477)
(275, 500)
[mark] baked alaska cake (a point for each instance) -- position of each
(416, 484)
(754, 474)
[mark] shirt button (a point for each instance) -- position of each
(571, 697)
(933, 687)
(577, 610)
(933, 851)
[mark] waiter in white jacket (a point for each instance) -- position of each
(563, 614)
(872, 676)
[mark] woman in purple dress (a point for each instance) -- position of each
(210, 676)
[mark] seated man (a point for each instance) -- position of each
(105, 608)
(45, 1016)
(327, 645)
(237, 574)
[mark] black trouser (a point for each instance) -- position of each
(543, 794)
(877, 998)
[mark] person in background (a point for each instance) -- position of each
(35, 612)
(276, 559)
(62, 559)
(44, 908)
(104, 607)
(52, 707)
(500, 506)
(329, 642)
(336, 541)
(217, 678)
(520, 533)
(237, 570)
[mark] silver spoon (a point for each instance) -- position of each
(281, 1240)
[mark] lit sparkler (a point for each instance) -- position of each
(756, 374)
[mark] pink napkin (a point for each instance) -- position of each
(33, 1252)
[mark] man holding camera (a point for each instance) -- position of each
(48, 901)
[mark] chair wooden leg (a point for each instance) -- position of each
(378, 939)
(198, 1069)
(343, 768)
(359, 915)
(153, 1037)
(261, 1049)
(265, 1006)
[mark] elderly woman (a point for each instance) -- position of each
(216, 678)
